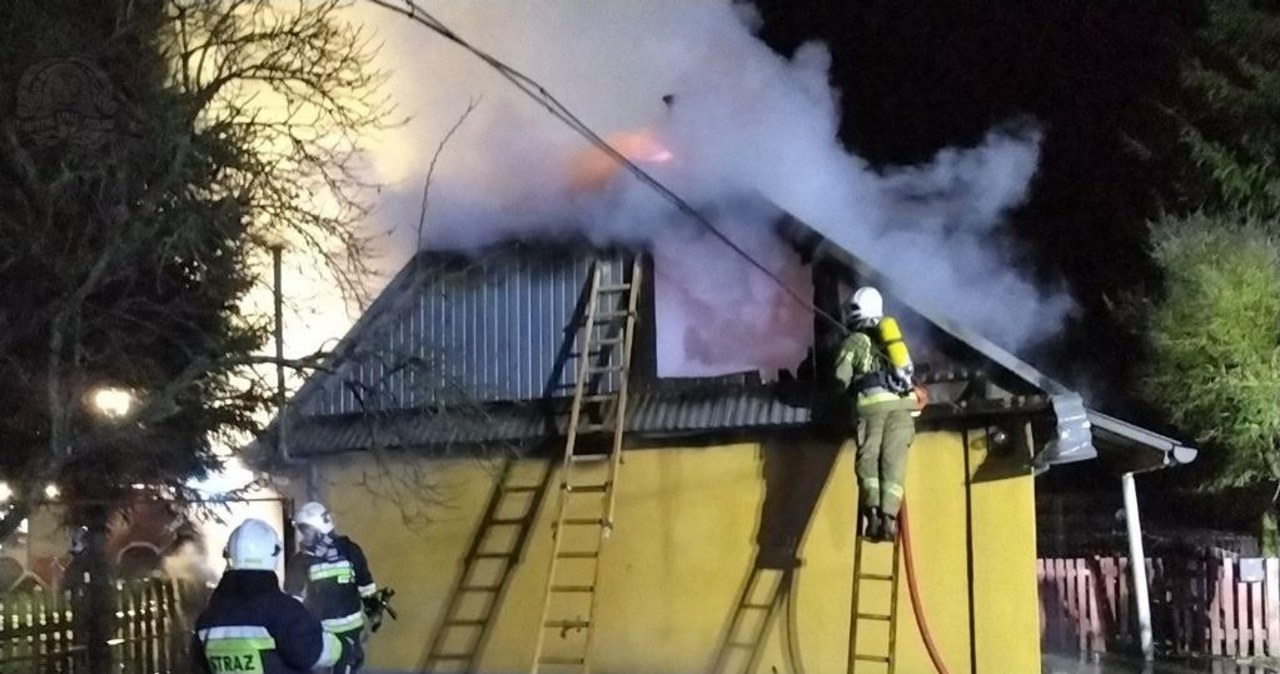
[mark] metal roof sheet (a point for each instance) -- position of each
(649, 413)
(492, 329)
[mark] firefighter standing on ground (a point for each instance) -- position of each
(874, 365)
(249, 625)
(331, 576)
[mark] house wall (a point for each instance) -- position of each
(691, 525)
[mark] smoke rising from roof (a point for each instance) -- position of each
(744, 121)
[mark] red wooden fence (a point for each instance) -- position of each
(1203, 606)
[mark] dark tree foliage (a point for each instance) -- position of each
(1232, 111)
(1214, 365)
(1212, 330)
(150, 152)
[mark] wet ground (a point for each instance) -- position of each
(1054, 664)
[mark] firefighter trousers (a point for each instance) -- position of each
(352, 652)
(884, 435)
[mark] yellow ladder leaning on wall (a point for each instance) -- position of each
(585, 504)
(887, 619)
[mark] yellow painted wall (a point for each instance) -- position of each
(687, 526)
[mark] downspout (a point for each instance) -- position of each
(1075, 443)
(1137, 556)
(1138, 565)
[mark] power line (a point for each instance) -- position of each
(540, 95)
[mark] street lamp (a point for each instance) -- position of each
(111, 402)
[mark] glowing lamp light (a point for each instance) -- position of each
(6, 492)
(51, 491)
(111, 402)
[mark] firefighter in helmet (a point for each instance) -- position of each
(874, 365)
(330, 574)
(249, 625)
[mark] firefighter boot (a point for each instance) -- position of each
(888, 528)
(871, 527)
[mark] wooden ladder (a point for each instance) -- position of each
(859, 615)
(494, 555)
(586, 499)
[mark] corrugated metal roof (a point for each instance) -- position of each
(664, 413)
(712, 409)
(490, 329)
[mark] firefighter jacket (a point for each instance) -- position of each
(862, 366)
(332, 578)
(251, 627)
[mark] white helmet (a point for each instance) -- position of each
(254, 545)
(866, 305)
(314, 515)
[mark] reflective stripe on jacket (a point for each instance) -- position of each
(249, 626)
(332, 585)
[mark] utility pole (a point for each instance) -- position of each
(282, 419)
(282, 425)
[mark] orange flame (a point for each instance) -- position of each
(592, 169)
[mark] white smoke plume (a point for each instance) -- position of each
(744, 121)
(188, 562)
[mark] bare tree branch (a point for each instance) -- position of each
(431, 170)
(235, 122)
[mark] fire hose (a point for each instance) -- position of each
(908, 560)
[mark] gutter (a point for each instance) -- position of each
(1171, 452)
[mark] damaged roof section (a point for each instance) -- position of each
(1074, 435)
(473, 350)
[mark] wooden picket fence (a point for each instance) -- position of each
(41, 633)
(1228, 607)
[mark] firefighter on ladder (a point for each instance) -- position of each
(874, 365)
(331, 576)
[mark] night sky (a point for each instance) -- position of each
(1097, 76)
